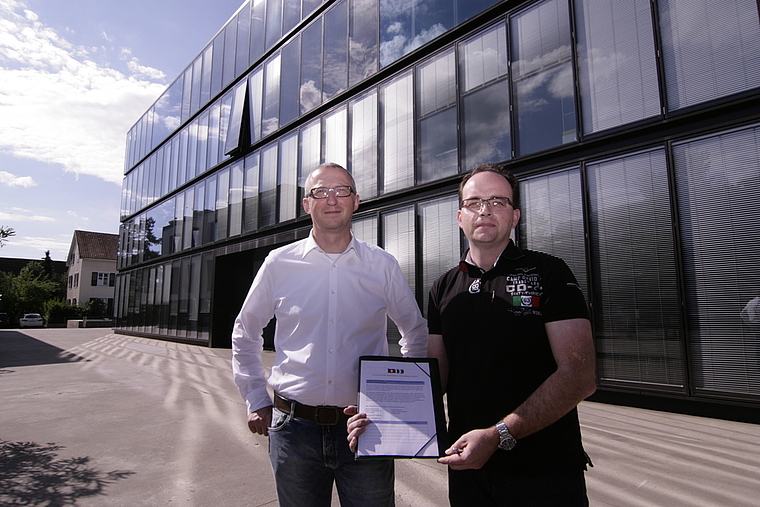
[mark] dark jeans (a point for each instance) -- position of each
(307, 458)
(492, 487)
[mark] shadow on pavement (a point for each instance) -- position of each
(33, 474)
(19, 349)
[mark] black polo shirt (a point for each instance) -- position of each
(493, 327)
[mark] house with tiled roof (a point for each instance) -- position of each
(91, 268)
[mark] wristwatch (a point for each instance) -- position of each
(506, 441)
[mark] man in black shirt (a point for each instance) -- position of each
(511, 332)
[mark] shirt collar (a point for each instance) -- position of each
(311, 244)
(511, 252)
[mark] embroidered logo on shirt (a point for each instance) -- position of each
(524, 292)
(475, 286)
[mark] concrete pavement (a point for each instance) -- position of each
(92, 418)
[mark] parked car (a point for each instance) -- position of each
(5, 321)
(31, 320)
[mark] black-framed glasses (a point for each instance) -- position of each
(323, 192)
(495, 203)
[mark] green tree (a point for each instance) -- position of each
(58, 312)
(5, 233)
(28, 291)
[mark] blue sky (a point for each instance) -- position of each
(75, 75)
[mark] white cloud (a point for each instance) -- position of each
(19, 214)
(12, 180)
(58, 106)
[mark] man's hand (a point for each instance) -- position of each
(259, 421)
(355, 426)
(472, 450)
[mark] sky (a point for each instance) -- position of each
(75, 76)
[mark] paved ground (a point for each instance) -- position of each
(91, 418)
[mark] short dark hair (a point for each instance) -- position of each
(498, 169)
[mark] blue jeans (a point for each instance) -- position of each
(307, 458)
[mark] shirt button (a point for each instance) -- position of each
(332, 322)
(330, 351)
(329, 382)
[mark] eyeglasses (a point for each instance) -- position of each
(323, 192)
(495, 203)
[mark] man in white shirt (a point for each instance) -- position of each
(331, 295)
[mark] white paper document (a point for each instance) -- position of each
(402, 399)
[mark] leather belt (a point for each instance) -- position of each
(324, 415)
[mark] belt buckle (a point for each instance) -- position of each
(325, 415)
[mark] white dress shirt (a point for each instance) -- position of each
(329, 313)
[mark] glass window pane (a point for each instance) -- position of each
(256, 102)
(187, 229)
(552, 219)
(438, 146)
(179, 210)
(243, 44)
(268, 186)
(364, 144)
(187, 87)
(440, 240)
(222, 202)
(206, 78)
(484, 57)
(257, 30)
(398, 239)
(167, 113)
(230, 37)
(195, 96)
(363, 40)
(465, 9)
(271, 121)
(486, 126)
(436, 83)
(336, 50)
(251, 193)
(209, 211)
(201, 166)
(616, 62)
(365, 229)
(204, 300)
(543, 77)
(274, 22)
(289, 81)
(405, 26)
(336, 136)
(200, 201)
(311, 142)
(718, 184)
(635, 290)
(397, 109)
(709, 48)
(236, 199)
(287, 176)
(217, 64)
(212, 157)
(291, 14)
(310, 92)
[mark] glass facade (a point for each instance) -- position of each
(633, 127)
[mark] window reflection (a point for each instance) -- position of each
(364, 144)
(436, 91)
(397, 109)
(270, 120)
(310, 93)
(289, 81)
(287, 177)
(268, 186)
(336, 50)
(363, 37)
(405, 26)
(543, 77)
(335, 136)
